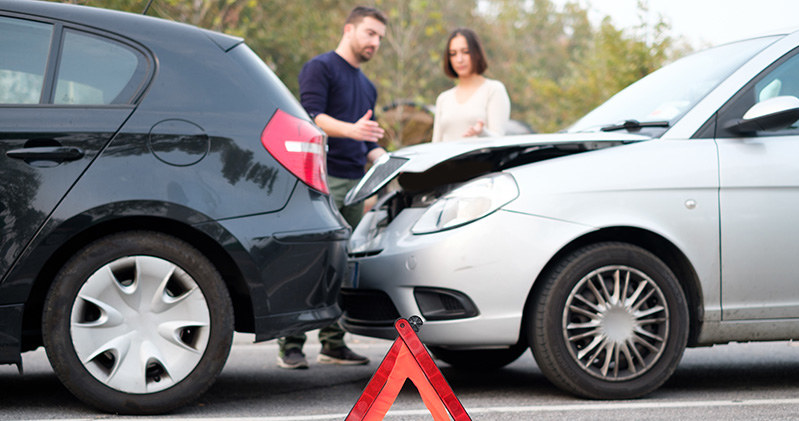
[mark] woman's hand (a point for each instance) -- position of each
(475, 130)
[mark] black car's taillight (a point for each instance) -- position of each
(299, 146)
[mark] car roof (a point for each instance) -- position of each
(124, 23)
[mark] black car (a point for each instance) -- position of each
(161, 188)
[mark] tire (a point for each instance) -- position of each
(478, 359)
(138, 323)
(590, 342)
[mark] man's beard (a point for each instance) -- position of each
(364, 54)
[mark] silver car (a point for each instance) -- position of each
(664, 218)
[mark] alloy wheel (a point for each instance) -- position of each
(616, 323)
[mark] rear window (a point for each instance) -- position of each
(97, 71)
(92, 69)
(24, 47)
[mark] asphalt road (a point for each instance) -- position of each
(758, 381)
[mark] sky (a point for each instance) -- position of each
(703, 23)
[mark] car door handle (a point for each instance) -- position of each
(47, 153)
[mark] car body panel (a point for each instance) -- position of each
(759, 176)
(32, 187)
(627, 189)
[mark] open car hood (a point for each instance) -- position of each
(428, 165)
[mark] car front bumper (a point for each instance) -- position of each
(490, 264)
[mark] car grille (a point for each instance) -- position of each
(370, 307)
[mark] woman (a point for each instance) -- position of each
(476, 106)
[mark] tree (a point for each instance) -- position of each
(532, 48)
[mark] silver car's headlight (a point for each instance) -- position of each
(467, 203)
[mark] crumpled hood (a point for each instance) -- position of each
(425, 165)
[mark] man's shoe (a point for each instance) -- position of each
(292, 359)
(341, 356)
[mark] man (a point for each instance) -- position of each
(341, 101)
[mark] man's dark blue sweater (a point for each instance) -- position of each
(330, 85)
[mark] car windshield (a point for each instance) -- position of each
(660, 99)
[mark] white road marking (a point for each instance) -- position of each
(596, 406)
(633, 405)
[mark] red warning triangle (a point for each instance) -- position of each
(407, 359)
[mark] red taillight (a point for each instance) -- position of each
(299, 146)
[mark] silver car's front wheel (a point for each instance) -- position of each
(608, 321)
(138, 323)
(616, 323)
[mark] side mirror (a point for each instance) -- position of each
(772, 114)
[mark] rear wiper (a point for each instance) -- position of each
(634, 125)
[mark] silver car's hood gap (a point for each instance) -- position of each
(417, 169)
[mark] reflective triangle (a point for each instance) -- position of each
(407, 359)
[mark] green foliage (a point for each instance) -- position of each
(556, 64)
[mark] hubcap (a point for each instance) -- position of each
(140, 324)
(615, 323)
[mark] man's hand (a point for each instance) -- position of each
(366, 129)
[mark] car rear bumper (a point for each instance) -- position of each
(293, 263)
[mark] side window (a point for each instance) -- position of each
(24, 47)
(784, 80)
(97, 71)
(780, 79)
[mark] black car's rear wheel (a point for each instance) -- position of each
(611, 322)
(138, 323)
